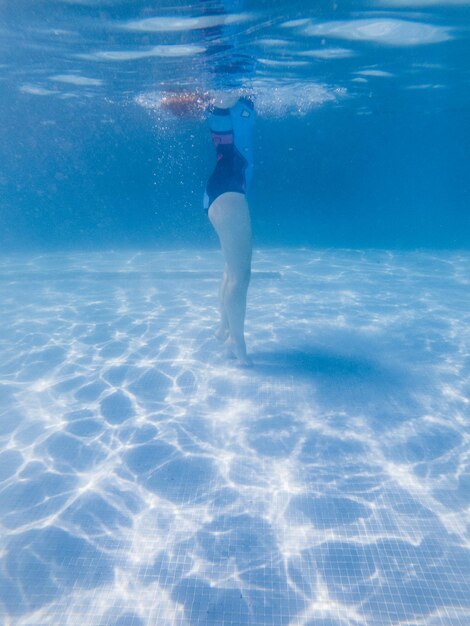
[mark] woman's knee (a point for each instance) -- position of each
(246, 274)
(239, 278)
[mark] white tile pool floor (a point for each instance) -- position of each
(146, 480)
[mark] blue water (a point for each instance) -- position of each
(145, 480)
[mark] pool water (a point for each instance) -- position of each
(145, 478)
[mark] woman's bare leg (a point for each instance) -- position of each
(231, 219)
(223, 330)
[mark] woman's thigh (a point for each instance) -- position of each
(230, 218)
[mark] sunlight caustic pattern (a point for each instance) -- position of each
(144, 479)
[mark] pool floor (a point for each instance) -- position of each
(146, 480)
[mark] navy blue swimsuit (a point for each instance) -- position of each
(232, 134)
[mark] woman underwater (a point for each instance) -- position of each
(231, 120)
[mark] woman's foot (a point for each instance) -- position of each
(238, 352)
(245, 361)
